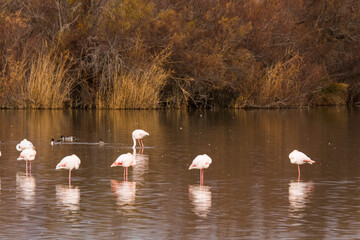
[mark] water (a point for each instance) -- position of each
(250, 190)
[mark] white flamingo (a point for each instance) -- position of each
(201, 162)
(23, 145)
(299, 158)
(138, 134)
(27, 154)
(125, 160)
(69, 162)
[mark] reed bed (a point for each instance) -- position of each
(138, 88)
(113, 54)
(40, 82)
(282, 81)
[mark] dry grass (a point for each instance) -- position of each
(138, 88)
(49, 85)
(10, 82)
(39, 82)
(330, 94)
(281, 82)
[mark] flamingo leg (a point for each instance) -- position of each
(30, 168)
(299, 171)
(26, 168)
(69, 177)
(127, 173)
(139, 143)
(202, 177)
(124, 174)
(142, 143)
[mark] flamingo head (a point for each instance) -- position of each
(115, 164)
(192, 166)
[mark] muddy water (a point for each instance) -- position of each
(250, 190)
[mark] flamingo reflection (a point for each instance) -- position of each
(25, 186)
(200, 197)
(68, 198)
(142, 163)
(124, 191)
(299, 195)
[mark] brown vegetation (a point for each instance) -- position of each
(120, 54)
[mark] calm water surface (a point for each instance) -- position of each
(250, 190)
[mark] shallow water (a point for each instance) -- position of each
(250, 191)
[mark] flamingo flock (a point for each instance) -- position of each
(201, 162)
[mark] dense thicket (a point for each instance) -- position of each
(172, 53)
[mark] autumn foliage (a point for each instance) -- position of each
(144, 54)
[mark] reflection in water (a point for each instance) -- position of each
(142, 163)
(68, 198)
(253, 199)
(200, 197)
(299, 196)
(125, 193)
(25, 186)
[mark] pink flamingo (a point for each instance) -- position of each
(125, 160)
(23, 145)
(201, 162)
(299, 158)
(27, 154)
(69, 162)
(138, 134)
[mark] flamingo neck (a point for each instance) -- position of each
(134, 142)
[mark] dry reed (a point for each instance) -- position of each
(39, 82)
(281, 82)
(137, 88)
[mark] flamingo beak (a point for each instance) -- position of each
(115, 164)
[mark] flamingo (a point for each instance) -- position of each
(138, 134)
(125, 160)
(67, 138)
(27, 154)
(23, 145)
(299, 158)
(69, 162)
(101, 142)
(201, 162)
